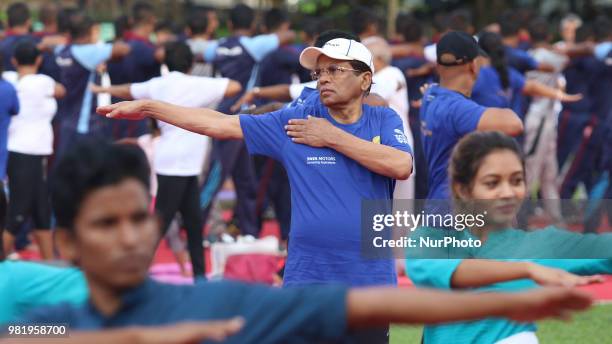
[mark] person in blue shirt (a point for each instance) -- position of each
(78, 62)
(500, 85)
(141, 64)
(101, 201)
(490, 167)
(342, 137)
(447, 112)
(417, 75)
(239, 58)
(9, 106)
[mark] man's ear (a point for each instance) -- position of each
(66, 244)
(367, 81)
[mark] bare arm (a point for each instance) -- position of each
(380, 306)
(59, 91)
(202, 121)
(233, 88)
(504, 120)
(473, 273)
(119, 91)
(120, 49)
(537, 89)
(276, 92)
(188, 332)
(381, 159)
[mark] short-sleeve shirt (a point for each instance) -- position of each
(520, 60)
(446, 116)
(558, 62)
(488, 90)
(272, 315)
(180, 152)
(25, 286)
(30, 132)
(579, 75)
(326, 192)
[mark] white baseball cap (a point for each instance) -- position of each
(339, 49)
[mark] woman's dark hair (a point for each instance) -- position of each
(89, 166)
(492, 44)
(472, 149)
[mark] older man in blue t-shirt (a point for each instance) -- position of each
(337, 152)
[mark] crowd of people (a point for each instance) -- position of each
(107, 148)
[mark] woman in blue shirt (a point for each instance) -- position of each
(489, 166)
(499, 85)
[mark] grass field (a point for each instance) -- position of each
(592, 327)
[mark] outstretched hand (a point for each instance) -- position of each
(133, 110)
(543, 303)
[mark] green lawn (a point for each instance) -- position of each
(594, 326)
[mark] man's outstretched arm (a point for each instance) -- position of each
(198, 120)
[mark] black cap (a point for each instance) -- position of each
(457, 48)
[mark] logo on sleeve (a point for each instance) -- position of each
(400, 137)
(376, 139)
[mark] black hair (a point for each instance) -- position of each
(602, 28)
(48, 13)
(197, 21)
(509, 24)
(441, 22)
(538, 30)
(361, 18)
(472, 149)
(63, 19)
(274, 18)
(492, 44)
(91, 165)
(26, 53)
(328, 35)
(584, 32)
(80, 25)
(242, 17)
(178, 57)
(18, 14)
(121, 25)
(142, 12)
(461, 20)
(412, 30)
(167, 25)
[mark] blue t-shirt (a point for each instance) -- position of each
(520, 60)
(326, 192)
(272, 315)
(307, 96)
(488, 89)
(446, 116)
(9, 106)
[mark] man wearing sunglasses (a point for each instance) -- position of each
(337, 152)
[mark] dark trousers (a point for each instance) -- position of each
(232, 158)
(421, 186)
(570, 134)
(584, 165)
(180, 194)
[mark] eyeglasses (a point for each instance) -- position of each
(332, 71)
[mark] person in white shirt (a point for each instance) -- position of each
(540, 144)
(179, 153)
(30, 143)
(390, 84)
